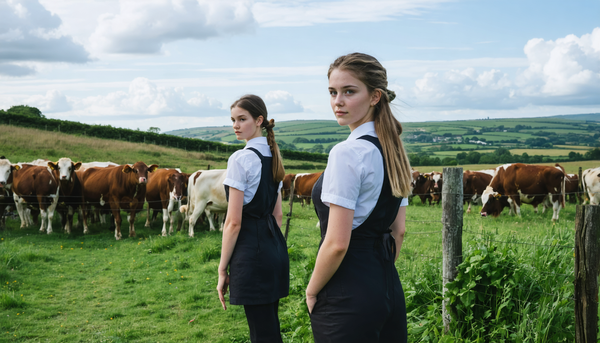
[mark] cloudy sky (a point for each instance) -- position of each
(180, 63)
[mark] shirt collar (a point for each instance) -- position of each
(367, 128)
(256, 142)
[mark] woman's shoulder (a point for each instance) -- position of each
(355, 149)
(242, 154)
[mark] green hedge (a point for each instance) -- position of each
(109, 132)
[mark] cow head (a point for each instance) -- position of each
(176, 182)
(6, 172)
(437, 179)
(422, 184)
(141, 170)
(493, 202)
(65, 168)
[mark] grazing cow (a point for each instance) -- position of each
(474, 183)
(422, 184)
(116, 188)
(36, 186)
(164, 191)
(206, 194)
(69, 189)
(6, 181)
(437, 182)
(571, 185)
(303, 185)
(287, 184)
(523, 183)
(591, 184)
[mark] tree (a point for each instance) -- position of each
(154, 129)
(25, 110)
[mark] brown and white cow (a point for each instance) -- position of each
(524, 183)
(571, 185)
(422, 184)
(437, 182)
(474, 183)
(206, 194)
(6, 181)
(164, 191)
(70, 191)
(116, 188)
(36, 186)
(591, 184)
(303, 185)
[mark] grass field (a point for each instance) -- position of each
(76, 288)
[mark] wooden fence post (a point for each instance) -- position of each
(452, 220)
(587, 260)
(208, 167)
(289, 215)
(580, 189)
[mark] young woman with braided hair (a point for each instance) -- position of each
(354, 294)
(253, 248)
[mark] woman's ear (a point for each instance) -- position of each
(375, 97)
(259, 120)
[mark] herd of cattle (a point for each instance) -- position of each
(99, 188)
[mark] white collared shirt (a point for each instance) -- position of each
(244, 168)
(354, 175)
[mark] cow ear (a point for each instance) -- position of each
(52, 165)
(76, 166)
(16, 167)
(426, 176)
(127, 169)
(152, 168)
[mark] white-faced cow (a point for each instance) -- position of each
(523, 183)
(437, 182)
(70, 189)
(206, 194)
(164, 191)
(591, 184)
(6, 181)
(116, 188)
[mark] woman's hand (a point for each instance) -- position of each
(311, 300)
(222, 287)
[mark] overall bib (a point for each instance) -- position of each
(363, 302)
(259, 269)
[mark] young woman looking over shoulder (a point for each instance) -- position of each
(253, 246)
(354, 294)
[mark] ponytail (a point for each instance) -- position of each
(277, 164)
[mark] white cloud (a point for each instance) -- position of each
(561, 73)
(144, 98)
(28, 32)
(144, 27)
(282, 102)
(53, 101)
(305, 13)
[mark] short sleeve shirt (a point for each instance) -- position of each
(244, 168)
(354, 175)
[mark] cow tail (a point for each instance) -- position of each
(563, 195)
(583, 188)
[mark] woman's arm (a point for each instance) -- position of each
(278, 211)
(332, 251)
(233, 224)
(398, 229)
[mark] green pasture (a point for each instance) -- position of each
(148, 288)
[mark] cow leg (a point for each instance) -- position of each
(65, 219)
(131, 220)
(147, 224)
(308, 201)
(195, 215)
(211, 222)
(116, 212)
(51, 209)
(44, 215)
(170, 209)
(165, 218)
(20, 209)
(469, 208)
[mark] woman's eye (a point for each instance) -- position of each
(332, 93)
(349, 91)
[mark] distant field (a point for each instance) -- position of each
(547, 152)
(570, 167)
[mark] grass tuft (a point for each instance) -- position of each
(8, 301)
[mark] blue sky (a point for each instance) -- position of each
(180, 63)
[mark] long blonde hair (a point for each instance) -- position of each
(368, 70)
(256, 107)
